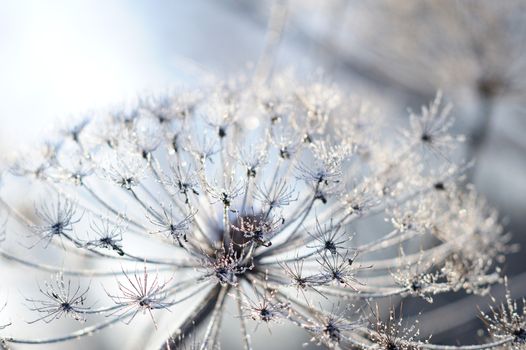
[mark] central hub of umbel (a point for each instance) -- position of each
(245, 237)
(249, 232)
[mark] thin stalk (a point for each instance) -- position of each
(275, 28)
(193, 320)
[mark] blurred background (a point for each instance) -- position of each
(62, 59)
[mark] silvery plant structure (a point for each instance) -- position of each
(284, 204)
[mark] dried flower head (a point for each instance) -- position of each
(394, 333)
(461, 45)
(262, 194)
(60, 299)
(139, 293)
(57, 219)
(507, 320)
